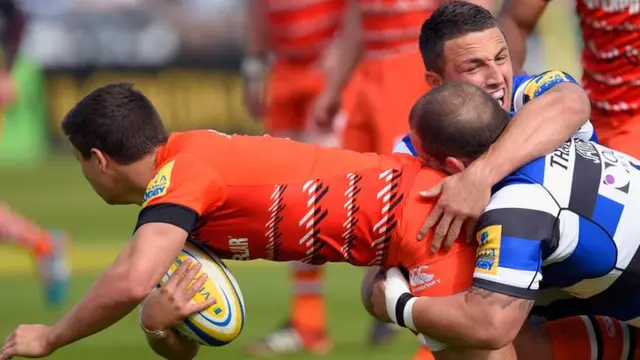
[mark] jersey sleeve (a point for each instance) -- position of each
(528, 87)
(511, 234)
(182, 190)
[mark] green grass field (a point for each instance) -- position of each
(56, 195)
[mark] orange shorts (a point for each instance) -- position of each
(618, 130)
(291, 91)
(441, 274)
(385, 91)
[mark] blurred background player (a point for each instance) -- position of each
(610, 58)
(382, 58)
(47, 248)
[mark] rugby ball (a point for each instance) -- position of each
(222, 322)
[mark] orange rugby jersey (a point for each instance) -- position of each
(303, 27)
(611, 58)
(392, 26)
(254, 197)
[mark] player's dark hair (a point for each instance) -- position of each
(457, 119)
(117, 120)
(451, 20)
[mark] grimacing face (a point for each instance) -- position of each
(482, 59)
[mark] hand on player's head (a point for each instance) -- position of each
(169, 305)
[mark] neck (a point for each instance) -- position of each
(138, 176)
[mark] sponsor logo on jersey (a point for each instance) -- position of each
(488, 257)
(239, 247)
(159, 184)
(420, 279)
(543, 82)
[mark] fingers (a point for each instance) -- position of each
(441, 231)
(203, 306)
(196, 286)
(177, 275)
(8, 353)
(454, 232)
(431, 221)
(188, 278)
(433, 192)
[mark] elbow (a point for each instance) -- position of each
(575, 101)
(495, 335)
(135, 287)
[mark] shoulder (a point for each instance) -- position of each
(527, 87)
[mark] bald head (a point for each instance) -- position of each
(457, 119)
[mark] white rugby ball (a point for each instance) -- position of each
(222, 322)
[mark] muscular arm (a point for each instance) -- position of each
(124, 284)
(536, 130)
(478, 318)
(518, 18)
(173, 346)
(343, 54)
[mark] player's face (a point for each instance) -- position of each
(481, 58)
(96, 172)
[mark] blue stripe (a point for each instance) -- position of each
(534, 170)
(209, 340)
(594, 137)
(407, 141)
(519, 254)
(607, 213)
(594, 256)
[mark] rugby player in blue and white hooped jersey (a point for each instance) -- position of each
(567, 220)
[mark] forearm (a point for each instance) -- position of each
(452, 322)
(109, 300)
(342, 56)
(173, 346)
(536, 130)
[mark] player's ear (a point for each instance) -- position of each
(453, 165)
(433, 79)
(100, 158)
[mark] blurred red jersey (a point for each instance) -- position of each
(611, 58)
(302, 27)
(258, 197)
(391, 26)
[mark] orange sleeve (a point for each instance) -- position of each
(182, 190)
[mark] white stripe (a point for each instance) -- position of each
(625, 341)
(401, 148)
(518, 99)
(592, 337)
(517, 278)
(585, 132)
(626, 236)
(569, 232)
(558, 180)
(523, 196)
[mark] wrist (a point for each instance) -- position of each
(404, 311)
(487, 169)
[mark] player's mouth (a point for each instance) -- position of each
(499, 96)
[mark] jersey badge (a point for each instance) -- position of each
(543, 82)
(158, 186)
(488, 256)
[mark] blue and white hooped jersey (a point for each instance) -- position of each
(525, 88)
(569, 220)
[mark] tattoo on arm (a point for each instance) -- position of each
(503, 301)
